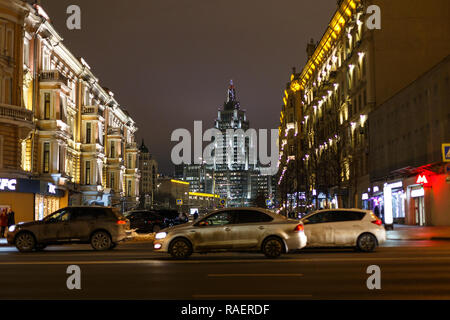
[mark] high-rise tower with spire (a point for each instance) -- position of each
(232, 168)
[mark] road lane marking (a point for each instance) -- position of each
(224, 275)
(159, 261)
(247, 296)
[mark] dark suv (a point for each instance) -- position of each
(102, 227)
(146, 221)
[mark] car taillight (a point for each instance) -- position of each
(378, 222)
(121, 222)
(299, 228)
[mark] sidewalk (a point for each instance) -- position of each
(403, 232)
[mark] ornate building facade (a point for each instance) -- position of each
(350, 72)
(148, 168)
(70, 134)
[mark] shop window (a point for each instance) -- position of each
(44, 206)
(46, 162)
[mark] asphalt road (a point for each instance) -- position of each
(409, 270)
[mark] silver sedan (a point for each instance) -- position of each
(233, 229)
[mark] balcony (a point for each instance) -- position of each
(131, 146)
(53, 76)
(92, 110)
(115, 132)
(18, 116)
(16, 113)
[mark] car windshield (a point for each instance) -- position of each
(127, 214)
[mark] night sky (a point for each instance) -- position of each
(169, 62)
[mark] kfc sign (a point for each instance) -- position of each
(51, 188)
(8, 184)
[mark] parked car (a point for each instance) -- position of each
(233, 229)
(102, 227)
(344, 228)
(146, 221)
(172, 217)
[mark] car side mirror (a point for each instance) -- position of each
(306, 221)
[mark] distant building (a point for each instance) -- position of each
(148, 167)
(233, 172)
(201, 177)
(171, 193)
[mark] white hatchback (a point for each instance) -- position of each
(344, 228)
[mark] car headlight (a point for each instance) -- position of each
(12, 228)
(161, 235)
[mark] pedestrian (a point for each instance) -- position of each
(195, 215)
(3, 222)
(376, 211)
(11, 218)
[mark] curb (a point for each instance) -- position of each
(419, 239)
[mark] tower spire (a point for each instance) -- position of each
(231, 93)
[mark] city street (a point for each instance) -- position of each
(409, 270)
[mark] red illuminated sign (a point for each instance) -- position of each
(422, 179)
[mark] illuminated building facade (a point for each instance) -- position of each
(148, 168)
(351, 72)
(201, 177)
(64, 129)
(233, 172)
(407, 135)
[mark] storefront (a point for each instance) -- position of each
(31, 199)
(417, 201)
(387, 200)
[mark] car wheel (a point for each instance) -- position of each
(25, 242)
(40, 247)
(180, 249)
(272, 247)
(366, 242)
(156, 228)
(100, 241)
